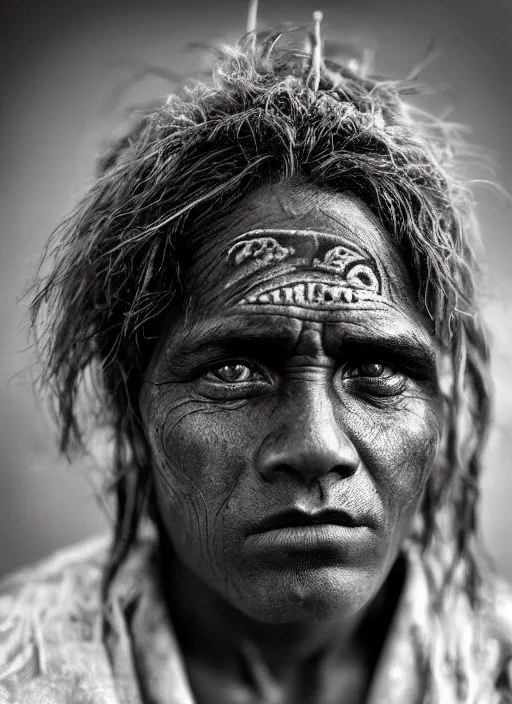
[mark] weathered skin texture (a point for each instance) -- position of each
(252, 406)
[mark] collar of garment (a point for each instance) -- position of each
(53, 648)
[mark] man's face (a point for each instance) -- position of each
(292, 407)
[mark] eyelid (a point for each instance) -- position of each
(250, 364)
(385, 385)
(356, 365)
(415, 366)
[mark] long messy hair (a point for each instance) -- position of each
(265, 114)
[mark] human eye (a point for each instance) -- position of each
(234, 373)
(233, 379)
(373, 378)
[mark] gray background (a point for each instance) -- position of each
(59, 64)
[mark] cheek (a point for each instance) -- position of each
(398, 447)
(198, 458)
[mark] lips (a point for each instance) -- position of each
(294, 518)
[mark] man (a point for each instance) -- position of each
(269, 295)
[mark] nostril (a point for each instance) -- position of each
(288, 471)
(344, 470)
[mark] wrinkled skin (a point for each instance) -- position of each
(252, 406)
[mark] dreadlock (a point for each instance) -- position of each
(116, 263)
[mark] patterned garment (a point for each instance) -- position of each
(51, 648)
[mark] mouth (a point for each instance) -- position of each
(296, 518)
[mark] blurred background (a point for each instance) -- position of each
(62, 65)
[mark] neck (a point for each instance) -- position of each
(213, 632)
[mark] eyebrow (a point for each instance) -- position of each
(403, 349)
(254, 337)
(274, 341)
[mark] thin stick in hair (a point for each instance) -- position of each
(252, 17)
(316, 53)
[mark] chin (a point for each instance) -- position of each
(323, 594)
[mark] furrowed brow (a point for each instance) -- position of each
(400, 347)
(256, 339)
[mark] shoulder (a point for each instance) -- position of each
(499, 625)
(50, 616)
(500, 609)
(466, 643)
(60, 595)
(493, 641)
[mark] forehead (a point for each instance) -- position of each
(305, 207)
(287, 244)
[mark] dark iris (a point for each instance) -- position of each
(368, 370)
(372, 379)
(371, 369)
(232, 373)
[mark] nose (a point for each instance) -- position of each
(309, 441)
